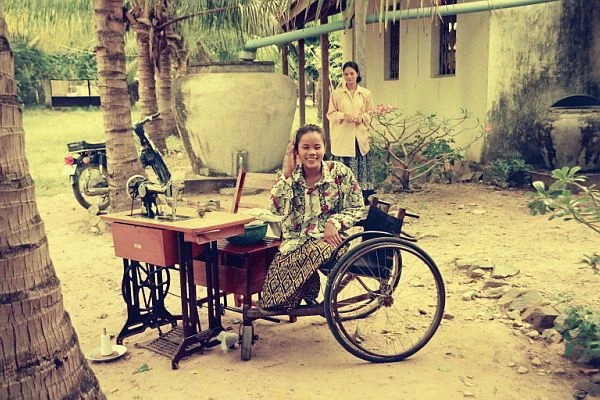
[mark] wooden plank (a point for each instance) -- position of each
(237, 194)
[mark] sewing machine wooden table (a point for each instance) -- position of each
(161, 243)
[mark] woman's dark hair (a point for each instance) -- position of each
(354, 66)
(303, 130)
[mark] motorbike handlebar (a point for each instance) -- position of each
(147, 119)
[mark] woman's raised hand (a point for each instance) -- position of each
(290, 161)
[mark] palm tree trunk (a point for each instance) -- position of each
(110, 57)
(39, 351)
(148, 103)
(164, 92)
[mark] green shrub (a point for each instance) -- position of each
(502, 168)
(581, 333)
(560, 202)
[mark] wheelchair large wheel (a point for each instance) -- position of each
(384, 300)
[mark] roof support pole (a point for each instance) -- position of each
(285, 66)
(302, 81)
(359, 39)
(324, 85)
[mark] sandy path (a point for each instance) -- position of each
(303, 361)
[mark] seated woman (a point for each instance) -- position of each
(318, 199)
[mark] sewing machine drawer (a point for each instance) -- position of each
(149, 245)
(232, 279)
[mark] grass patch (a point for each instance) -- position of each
(47, 133)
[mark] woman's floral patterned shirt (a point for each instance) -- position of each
(336, 198)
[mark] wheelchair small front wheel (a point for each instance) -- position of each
(247, 338)
(384, 300)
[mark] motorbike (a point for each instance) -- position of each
(86, 168)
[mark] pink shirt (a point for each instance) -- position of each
(345, 134)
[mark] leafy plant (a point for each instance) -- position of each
(560, 202)
(503, 168)
(592, 261)
(581, 333)
(416, 145)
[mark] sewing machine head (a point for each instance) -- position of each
(141, 188)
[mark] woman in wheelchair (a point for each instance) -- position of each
(318, 199)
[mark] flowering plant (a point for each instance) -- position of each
(417, 145)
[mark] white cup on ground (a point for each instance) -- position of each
(105, 345)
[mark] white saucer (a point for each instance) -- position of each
(118, 351)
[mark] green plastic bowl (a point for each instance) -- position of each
(253, 234)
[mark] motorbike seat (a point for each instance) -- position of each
(83, 145)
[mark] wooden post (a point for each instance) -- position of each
(301, 82)
(285, 66)
(359, 48)
(324, 74)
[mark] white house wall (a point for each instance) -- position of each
(417, 89)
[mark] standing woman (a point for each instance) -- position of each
(349, 108)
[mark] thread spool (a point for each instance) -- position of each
(105, 346)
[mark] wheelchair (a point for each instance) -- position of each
(384, 297)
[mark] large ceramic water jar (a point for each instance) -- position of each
(234, 114)
(569, 133)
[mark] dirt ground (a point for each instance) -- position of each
(475, 353)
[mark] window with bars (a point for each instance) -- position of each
(392, 51)
(447, 52)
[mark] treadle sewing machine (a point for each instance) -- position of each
(151, 243)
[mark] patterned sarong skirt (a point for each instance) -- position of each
(293, 277)
(362, 167)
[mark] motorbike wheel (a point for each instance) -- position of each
(87, 179)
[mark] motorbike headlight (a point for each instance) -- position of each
(85, 160)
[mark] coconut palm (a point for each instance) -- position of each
(167, 42)
(112, 83)
(140, 16)
(40, 355)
